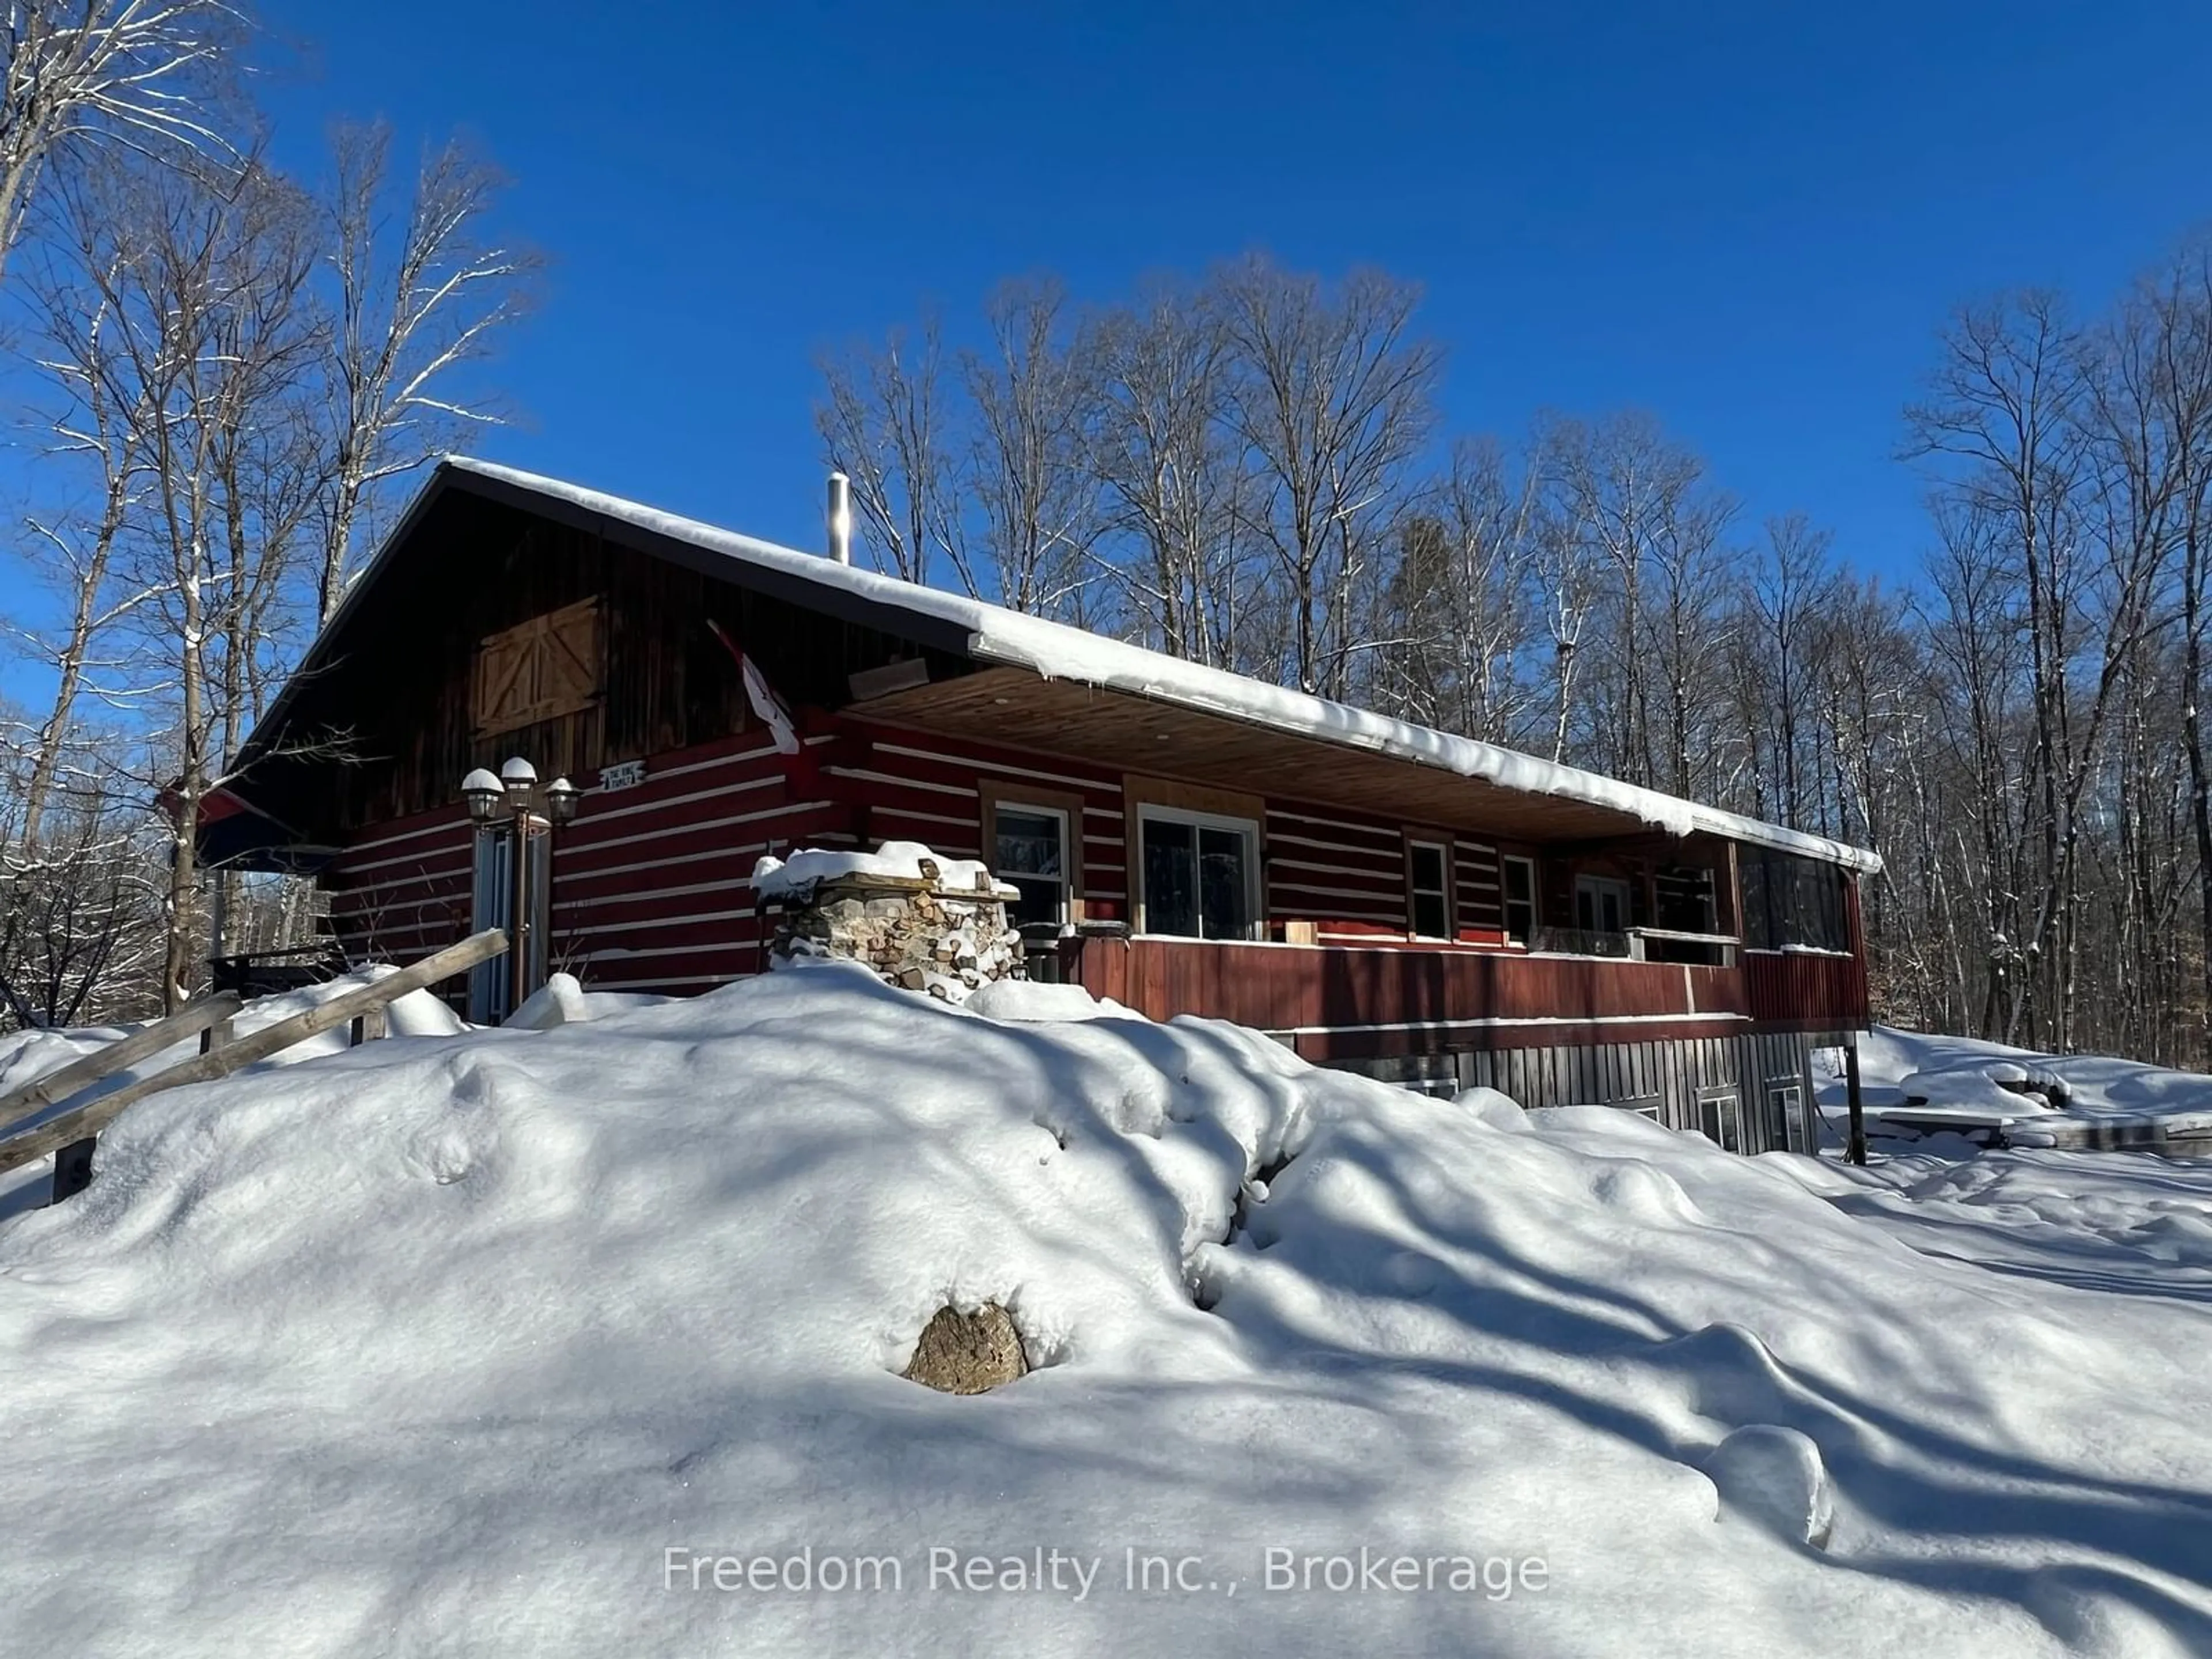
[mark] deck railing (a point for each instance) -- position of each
(1582, 942)
(1806, 989)
(1349, 1000)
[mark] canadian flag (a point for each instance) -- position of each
(769, 707)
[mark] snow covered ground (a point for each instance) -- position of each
(587, 1341)
(1930, 1083)
(25, 1056)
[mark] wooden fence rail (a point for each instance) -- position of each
(83, 1122)
(57, 1086)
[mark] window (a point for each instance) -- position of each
(1201, 873)
(1685, 902)
(1601, 905)
(1428, 877)
(1031, 851)
(1518, 876)
(1793, 901)
(1785, 1107)
(1720, 1116)
(1032, 838)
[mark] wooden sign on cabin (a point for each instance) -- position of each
(538, 670)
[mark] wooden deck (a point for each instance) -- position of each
(1348, 1002)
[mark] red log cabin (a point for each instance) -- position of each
(1424, 908)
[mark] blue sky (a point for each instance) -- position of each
(1748, 218)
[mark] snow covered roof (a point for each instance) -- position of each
(1055, 651)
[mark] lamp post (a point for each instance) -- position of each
(512, 803)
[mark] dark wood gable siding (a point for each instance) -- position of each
(395, 709)
(667, 682)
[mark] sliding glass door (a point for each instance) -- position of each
(1201, 874)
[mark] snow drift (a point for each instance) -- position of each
(473, 1344)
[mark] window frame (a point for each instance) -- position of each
(1447, 894)
(1505, 900)
(1709, 921)
(992, 795)
(1720, 1117)
(1594, 881)
(1771, 886)
(1786, 1111)
(1149, 811)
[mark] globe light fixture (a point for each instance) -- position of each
(521, 779)
(484, 793)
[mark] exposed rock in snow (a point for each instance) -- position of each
(968, 1350)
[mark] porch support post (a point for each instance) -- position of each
(1855, 1150)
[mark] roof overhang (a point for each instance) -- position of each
(1121, 731)
(1485, 770)
(233, 834)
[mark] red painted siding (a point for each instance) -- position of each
(1336, 867)
(651, 893)
(652, 883)
(403, 891)
(1319, 864)
(918, 787)
(1806, 991)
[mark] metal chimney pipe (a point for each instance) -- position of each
(841, 518)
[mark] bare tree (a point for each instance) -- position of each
(2166, 325)
(1635, 511)
(75, 546)
(1033, 402)
(1791, 584)
(214, 344)
(883, 424)
(1172, 471)
(81, 929)
(2002, 410)
(1463, 604)
(1332, 394)
(143, 74)
(412, 310)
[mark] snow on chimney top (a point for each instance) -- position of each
(841, 518)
